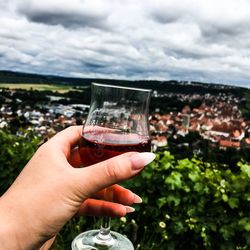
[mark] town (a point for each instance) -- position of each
(217, 119)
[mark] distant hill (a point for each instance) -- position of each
(20, 77)
(161, 86)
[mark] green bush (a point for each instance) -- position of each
(15, 151)
(190, 204)
(187, 203)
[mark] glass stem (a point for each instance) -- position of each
(104, 237)
(104, 232)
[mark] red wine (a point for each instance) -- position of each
(96, 146)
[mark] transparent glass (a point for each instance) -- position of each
(117, 123)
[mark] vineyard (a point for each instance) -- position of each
(187, 203)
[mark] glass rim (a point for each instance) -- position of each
(120, 87)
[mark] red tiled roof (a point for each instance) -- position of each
(229, 144)
(247, 140)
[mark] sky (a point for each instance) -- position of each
(190, 40)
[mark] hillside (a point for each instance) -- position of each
(172, 86)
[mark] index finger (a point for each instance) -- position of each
(67, 139)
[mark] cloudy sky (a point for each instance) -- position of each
(197, 40)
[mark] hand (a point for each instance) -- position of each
(51, 190)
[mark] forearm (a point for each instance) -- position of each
(8, 234)
(14, 232)
(8, 239)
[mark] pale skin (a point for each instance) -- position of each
(52, 189)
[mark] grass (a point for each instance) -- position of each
(37, 86)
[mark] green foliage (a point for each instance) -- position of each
(190, 204)
(15, 151)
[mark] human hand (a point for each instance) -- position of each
(51, 190)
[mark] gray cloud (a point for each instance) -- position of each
(152, 39)
(57, 14)
(63, 19)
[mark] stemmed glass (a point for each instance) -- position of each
(117, 123)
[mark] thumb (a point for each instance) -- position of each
(96, 177)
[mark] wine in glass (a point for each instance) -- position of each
(117, 123)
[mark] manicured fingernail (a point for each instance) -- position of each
(137, 199)
(129, 209)
(140, 160)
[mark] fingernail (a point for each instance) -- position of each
(129, 209)
(137, 199)
(140, 160)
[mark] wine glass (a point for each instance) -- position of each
(117, 123)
